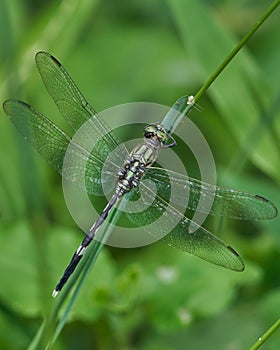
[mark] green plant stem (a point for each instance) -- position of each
(266, 335)
(238, 47)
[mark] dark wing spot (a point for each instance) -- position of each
(24, 104)
(232, 250)
(261, 198)
(55, 60)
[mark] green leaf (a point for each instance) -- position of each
(185, 288)
(19, 275)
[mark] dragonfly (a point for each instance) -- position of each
(127, 171)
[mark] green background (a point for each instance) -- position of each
(151, 298)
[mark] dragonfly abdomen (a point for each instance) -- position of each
(85, 243)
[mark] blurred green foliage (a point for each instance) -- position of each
(153, 298)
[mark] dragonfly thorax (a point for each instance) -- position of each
(129, 175)
(142, 157)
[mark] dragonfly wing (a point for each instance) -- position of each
(77, 111)
(203, 244)
(50, 141)
(164, 221)
(81, 167)
(211, 199)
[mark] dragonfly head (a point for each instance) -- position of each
(157, 132)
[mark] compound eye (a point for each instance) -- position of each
(149, 131)
(161, 135)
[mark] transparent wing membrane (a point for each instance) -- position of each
(79, 166)
(74, 107)
(211, 199)
(181, 232)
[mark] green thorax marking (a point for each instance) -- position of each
(142, 157)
